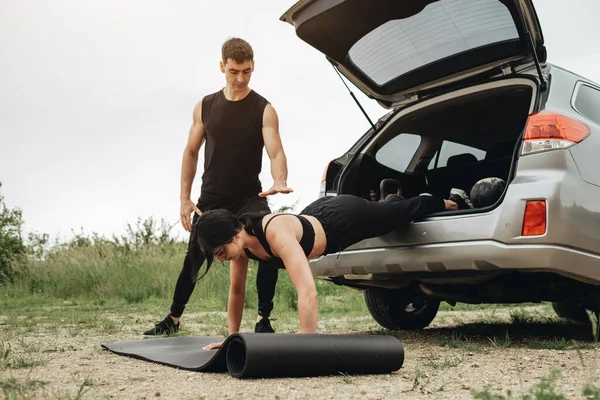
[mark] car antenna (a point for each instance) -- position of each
(353, 96)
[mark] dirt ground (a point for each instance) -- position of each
(458, 354)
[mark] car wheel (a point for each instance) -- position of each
(392, 310)
(571, 311)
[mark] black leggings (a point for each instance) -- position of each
(348, 219)
(266, 278)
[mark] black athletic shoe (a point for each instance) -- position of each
(264, 326)
(460, 197)
(164, 327)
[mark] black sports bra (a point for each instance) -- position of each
(307, 241)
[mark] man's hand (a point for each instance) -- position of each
(276, 188)
(187, 207)
(213, 346)
(450, 205)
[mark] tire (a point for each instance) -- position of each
(392, 310)
(571, 311)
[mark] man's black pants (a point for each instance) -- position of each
(266, 278)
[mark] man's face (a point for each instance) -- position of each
(237, 75)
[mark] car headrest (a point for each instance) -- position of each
(460, 160)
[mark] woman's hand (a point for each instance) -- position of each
(450, 205)
(213, 346)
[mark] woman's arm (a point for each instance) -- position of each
(284, 245)
(238, 270)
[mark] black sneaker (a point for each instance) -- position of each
(164, 327)
(460, 197)
(264, 326)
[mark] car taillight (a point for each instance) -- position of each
(548, 131)
(534, 220)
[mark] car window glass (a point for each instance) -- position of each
(398, 152)
(450, 149)
(442, 29)
(587, 102)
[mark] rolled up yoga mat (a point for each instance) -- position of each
(261, 355)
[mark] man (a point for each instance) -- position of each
(236, 123)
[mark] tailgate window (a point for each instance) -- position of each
(442, 29)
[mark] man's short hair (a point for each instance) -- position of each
(238, 50)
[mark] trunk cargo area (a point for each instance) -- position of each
(461, 140)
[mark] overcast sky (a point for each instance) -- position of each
(97, 98)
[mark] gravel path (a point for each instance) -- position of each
(458, 353)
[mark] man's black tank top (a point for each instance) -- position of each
(234, 145)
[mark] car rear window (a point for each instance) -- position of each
(398, 152)
(440, 30)
(587, 102)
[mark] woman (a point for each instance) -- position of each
(328, 225)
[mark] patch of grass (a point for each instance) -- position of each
(420, 380)
(504, 342)
(558, 343)
(520, 317)
(343, 302)
(4, 352)
(445, 364)
(546, 389)
(384, 332)
(24, 362)
(490, 317)
(346, 378)
(460, 341)
(96, 276)
(13, 389)
(10, 360)
(483, 306)
(594, 322)
(59, 349)
(591, 392)
(109, 325)
(81, 390)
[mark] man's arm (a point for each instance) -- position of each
(189, 164)
(238, 270)
(272, 140)
(284, 245)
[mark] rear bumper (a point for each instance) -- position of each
(486, 255)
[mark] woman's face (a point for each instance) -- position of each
(229, 251)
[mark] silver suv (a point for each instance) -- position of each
(471, 97)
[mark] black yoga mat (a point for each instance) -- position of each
(256, 355)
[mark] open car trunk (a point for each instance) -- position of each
(439, 145)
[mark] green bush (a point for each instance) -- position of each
(12, 247)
